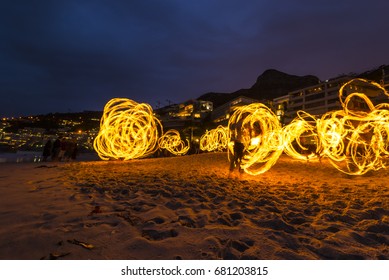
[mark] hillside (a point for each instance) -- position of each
(375, 74)
(269, 85)
(273, 83)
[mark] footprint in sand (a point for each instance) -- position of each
(289, 255)
(198, 221)
(234, 249)
(368, 239)
(49, 216)
(295, 218)
(328, 252)
(276, 224)
(174, 205)
(158, 220)
(237, 216)
(156, 235)
(224, 220)
(131, 219)
(142, 206)
(186, 221)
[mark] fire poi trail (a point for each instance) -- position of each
(215, 139)
(172, 142)
(128, 130)
(353, 140)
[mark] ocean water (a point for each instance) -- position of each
(21, 156)
(33, 156)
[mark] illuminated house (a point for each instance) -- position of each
(194, 109)
(323, 97)
(178, 116)
(280, 106)
(317, 99)
(385, 80)
(222, 113)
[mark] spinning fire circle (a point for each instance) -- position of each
(128, 130)
(172, 142)
(353, 140)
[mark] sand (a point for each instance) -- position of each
(188, 208)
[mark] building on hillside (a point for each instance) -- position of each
(280, 107)
(179, 116)
(221, 114)
(385, 80)
(319, 99)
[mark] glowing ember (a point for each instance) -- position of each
(214, 139)
(128, 130)
(172, 142)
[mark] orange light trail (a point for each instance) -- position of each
(362, 136)
(172, 142)
(128, 130)
(353, 140)
(257, 121)
(215, 139)
(300, 137)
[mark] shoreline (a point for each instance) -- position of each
(36, 157)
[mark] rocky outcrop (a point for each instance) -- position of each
(273, 83)
(269, 85)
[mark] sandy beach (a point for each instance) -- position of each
(188, 208)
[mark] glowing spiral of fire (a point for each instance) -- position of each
(172, 142)
(354, 141)
(300, 139)
(128, 130)
(215, 139)
(261, 137)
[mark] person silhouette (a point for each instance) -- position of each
(47, 150)
(56, 149)
(238, 150)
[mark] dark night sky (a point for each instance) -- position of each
(75, 55)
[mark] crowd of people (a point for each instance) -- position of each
(60, 150)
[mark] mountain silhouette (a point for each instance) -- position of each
(272, 84)
(269, 85)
